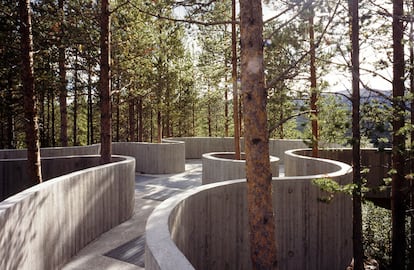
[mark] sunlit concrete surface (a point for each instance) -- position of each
(150, 191)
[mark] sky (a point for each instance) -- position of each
(338, 81)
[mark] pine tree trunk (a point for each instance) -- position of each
(75, 102)
(314, 94)
(105, 84)
(118, 115)
(29, 99)
(411, 251)
(53, 119)
(62, 82)
(140, 120)
(89, 114)
(234, 81)
(398, 146)
(259, 177)
(226, 106)
(159, 124)
(10, 114)
(356, 139)
(131, 110)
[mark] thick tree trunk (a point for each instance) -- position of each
(411, 251)
(356, 139)
(29, 98)
(398, 147)
(62, 82)
(237, 150)
(105, 84)
(259, 177)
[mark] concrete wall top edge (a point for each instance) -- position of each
(117, 159)
(342, 168)
(216, 155)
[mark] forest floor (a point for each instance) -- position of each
(122, 248)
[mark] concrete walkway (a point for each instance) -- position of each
(122, 248)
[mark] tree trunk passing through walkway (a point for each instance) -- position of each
(259, 176)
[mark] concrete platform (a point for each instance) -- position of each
(122, 248)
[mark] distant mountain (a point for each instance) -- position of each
(376, 130)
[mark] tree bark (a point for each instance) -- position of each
(10, 141)
(75, 101)
(398, 146)
(131, 112)
(105, 84)
(140, 120)
(356, 140)
(411, 251)
(62, 81)
(90, 112)
(29, 98)
(237, 151)
(313, 92)
(259, 177)
(159, 124)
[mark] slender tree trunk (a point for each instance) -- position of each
(314, 94)
(398, 147)
(49, 116)
(89, 114)
(411, 251)
(226, 106)
(167, 121)
(62, 81)
(131, 113)
(159, 125)
(118, 115)
(152, 124)
(193, 118)
(209, 118)
(234, 81)
(259, 176)
(140, 120)
(356, 139)
(75, 101)
(53, 135)
(10, 114)
(41, 117)
(105, 84)
(29, 98)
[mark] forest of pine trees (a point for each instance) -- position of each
(79, 72)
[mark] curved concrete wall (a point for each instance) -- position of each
(221, 166)
(52, 151)
(195, 147)
(13, 175)
(298, 164)
(206, 228)
(154, 158)
(44, 226)
(377, 162)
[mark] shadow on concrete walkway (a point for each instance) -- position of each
(122, 248)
